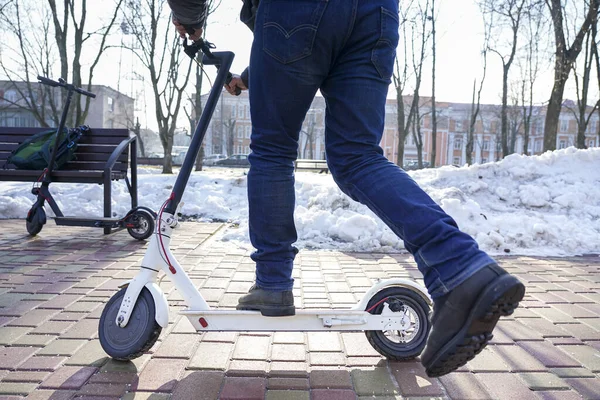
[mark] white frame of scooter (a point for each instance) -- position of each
(159, 257)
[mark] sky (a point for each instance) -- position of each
(459, 61)
(547, 205)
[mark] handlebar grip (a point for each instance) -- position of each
(86, 93)
(47, 81)
(238, 91)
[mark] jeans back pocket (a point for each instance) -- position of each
(384, 52)
(290, 27)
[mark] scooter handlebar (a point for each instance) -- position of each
(61, 82)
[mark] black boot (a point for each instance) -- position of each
(270, 303)
(463, 320)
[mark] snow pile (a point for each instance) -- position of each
(542, 205)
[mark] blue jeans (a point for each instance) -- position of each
(345, 48)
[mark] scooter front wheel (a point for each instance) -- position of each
(140, 333)
(36, 218)
(408, 341)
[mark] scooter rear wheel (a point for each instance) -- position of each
(142, 224)
(408, 342)
(138, 336)
(36, 218)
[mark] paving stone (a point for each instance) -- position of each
(327, 358)
(40, 394)
(34, 340)
(356, 344)
(17, 388)
(290, 337)
(84, 329)
(288, 352)
(466, 386)
(68, 378)
(506, 386)
(10, 334)
(487, 361)
(62, 347)
(248, 368)
(518, 359)
(413, 381)
(210, 355)
(287, 395)
(288, 384)
(335, 394)
(324, 341)
(572, 372)
(26, 376)
(61, 301)
(107, 390)
(52, 328)
(559, 395)
(549, 355)
(34, 318)
(517, 331)
(373, 382)
(40, 363)
(161, 375)
(586, 355)
(236, 388)
(91, 354)
(177, 346)
(147, 396)
(252, 347)
(225, 337)
(330, 379)
(588, 388)
(543, 381)
(12, 357)
(289, 369)
(135, 365)
(199, 385)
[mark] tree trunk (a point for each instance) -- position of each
(433, 105)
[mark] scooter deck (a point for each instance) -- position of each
(93, 222)
(304, 320)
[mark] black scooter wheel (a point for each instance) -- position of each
(142, 224)
(408, 342)
(36, 218)
(140, 333)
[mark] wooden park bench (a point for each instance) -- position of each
(312, 165)
(102, 156)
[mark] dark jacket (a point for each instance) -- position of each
(192, 14)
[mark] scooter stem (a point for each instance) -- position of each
(223, 60)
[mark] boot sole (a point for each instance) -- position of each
(500, 298)
(270, 311)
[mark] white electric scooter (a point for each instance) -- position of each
(393, 313)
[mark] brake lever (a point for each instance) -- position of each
(202, 45)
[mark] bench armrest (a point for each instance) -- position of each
(117, 153)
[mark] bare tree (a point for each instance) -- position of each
(158, 48)
(229, 126)
(433, 105)
(505, 13)
(564, 58)
(36, 54)
(530, 67)
(582, 111)
(400, 78)
(476, 99)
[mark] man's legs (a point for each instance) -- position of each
(463, 280)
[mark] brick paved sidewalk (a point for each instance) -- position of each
(53, 287)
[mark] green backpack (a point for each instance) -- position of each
(35, 152)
